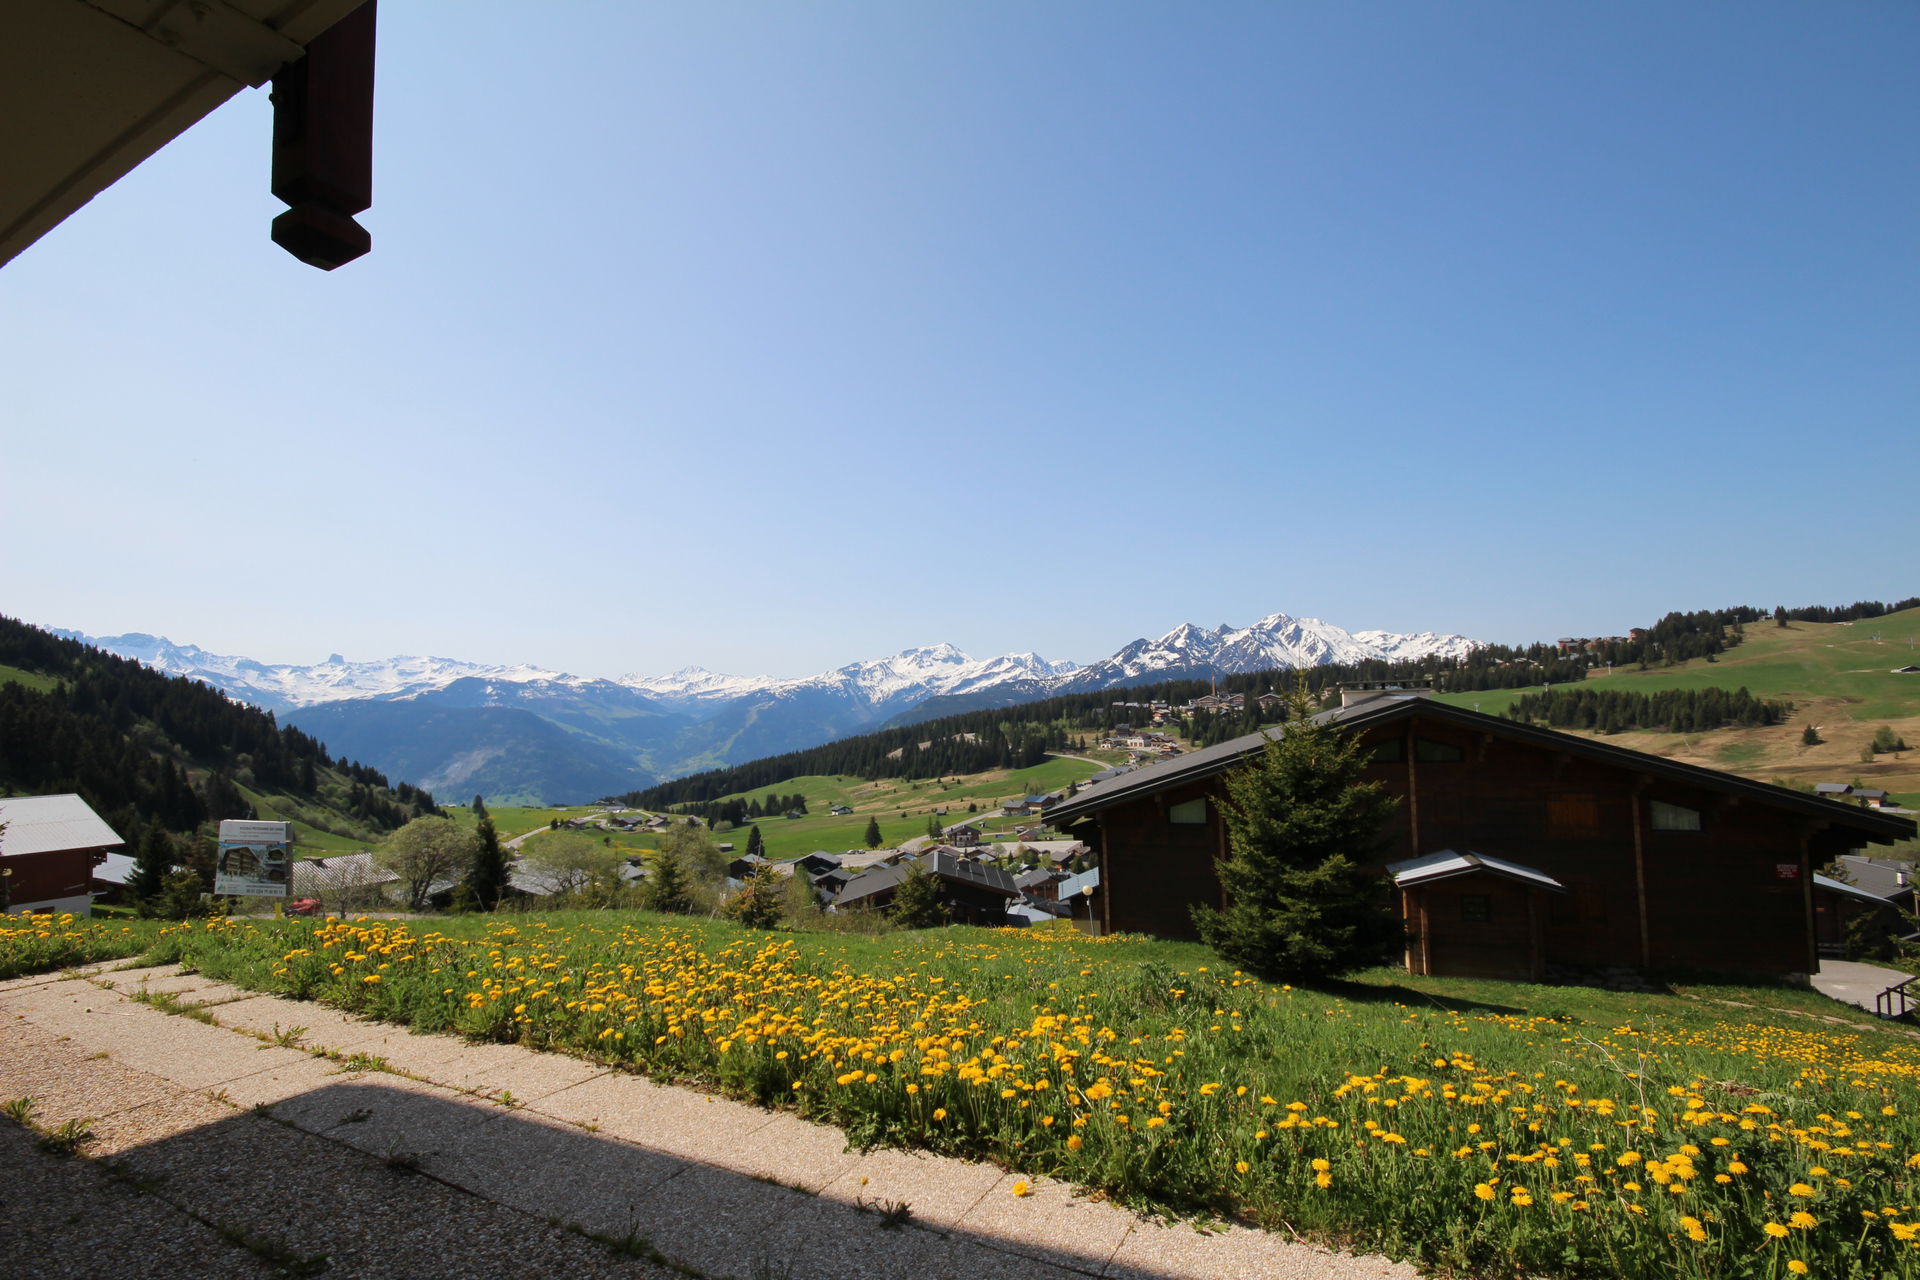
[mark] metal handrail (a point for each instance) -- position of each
(1897, 994)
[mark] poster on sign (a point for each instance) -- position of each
(255, 860)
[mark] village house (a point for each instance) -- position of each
(48, 851)
(974, 892)
(1515, 851)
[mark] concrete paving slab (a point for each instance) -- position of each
(324, 1028)
(124, 1131)
(76, 1223)
(834, 1242)
(283, 1081)
(188, 1053)
(179, 984)
(1052, 1223)
(305, 1195)
(384, 1115)
(786, 1149)
(554, 1170)
(676, 1121)
(710, 1219)
(55, 998)
(1157, 1250)
(525, 1073)
(939, 1191)
(67, 1083)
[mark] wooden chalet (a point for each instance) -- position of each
(1518, 852)
(48, 852)
(973, 892)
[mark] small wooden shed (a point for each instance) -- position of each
(1470, 915)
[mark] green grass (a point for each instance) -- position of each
(1836, 675)
(31, 679)
(518, 820)
(888, 798)
(1480, 1127)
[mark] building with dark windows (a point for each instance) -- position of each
(1515, 851)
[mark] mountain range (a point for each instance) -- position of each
(525, 734)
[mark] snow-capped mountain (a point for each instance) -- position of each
(1276, 641)
(282, 686)
(403, 715)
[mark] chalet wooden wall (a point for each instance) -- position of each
(1733, 896)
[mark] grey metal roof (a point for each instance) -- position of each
(52, 824)
(938, 862)
(341, 871)
(1881, 877)
(1850, 890)
(1208, 761)
(1449, 863)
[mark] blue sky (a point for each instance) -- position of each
(766, 337)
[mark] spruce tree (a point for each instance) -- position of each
(873, 836)
(151, 867)
(917, 902)
(667, 889)
(1300, 828)
(761, 900)
(479, 806)
(1810, 736)
(487, 877)
(756, 844)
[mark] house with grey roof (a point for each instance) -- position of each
(974, 892)
(49, 849)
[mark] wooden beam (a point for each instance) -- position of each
(1640, 868)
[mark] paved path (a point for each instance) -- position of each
(262, 1137)
(1855, 983)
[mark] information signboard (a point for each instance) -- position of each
(256, 858)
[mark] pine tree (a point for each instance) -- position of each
(1300, 827)
(756, 844)
(873, 836)
(487, 877)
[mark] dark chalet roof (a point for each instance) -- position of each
(1209, 761)
(938, 863)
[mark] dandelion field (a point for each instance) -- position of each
(1475, 1126)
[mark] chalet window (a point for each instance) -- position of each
(1476, 908)
(1390, 751)
(1673, 817)
(1188, 812)
(1427, 751)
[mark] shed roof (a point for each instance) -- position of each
(1449, 863)
(1881, 877)
(52, 824)
(1849, 890)
(1209, 761)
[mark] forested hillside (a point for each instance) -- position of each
(149, 750)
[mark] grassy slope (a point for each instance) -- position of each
(887, 798)
(1838, 676)
(32, 679)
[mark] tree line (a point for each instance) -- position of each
(1670, 710)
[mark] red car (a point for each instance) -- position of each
(304, 907)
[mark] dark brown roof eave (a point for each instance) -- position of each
(1210, 761)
